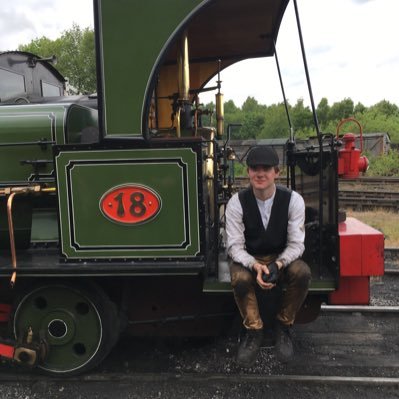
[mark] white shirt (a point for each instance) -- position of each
(295, 231)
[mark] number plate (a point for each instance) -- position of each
(130, 204)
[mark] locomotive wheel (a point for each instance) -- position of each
(79, 324)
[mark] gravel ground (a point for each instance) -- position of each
(385, 292)
(195, 391)
(385, 289)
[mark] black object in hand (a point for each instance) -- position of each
(273, 274)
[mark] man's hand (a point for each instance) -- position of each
(261, 270)
(272, 276)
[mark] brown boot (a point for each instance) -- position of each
(249, 347)
(284, 346)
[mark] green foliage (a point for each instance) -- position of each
(75, 53)
(359, 108)
(385, 108)
(341, 110)
(250, 105)
(384, 165)
(276, 124)
(42, 46)
(230, 107)
(301, 116)
(252, 124)
(372, 121)
(267, 122)
(381, 117)
(323, 110)
(240, 169)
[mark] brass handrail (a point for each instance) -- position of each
(12, 238)
(12, 192)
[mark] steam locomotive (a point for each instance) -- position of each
(112, 206)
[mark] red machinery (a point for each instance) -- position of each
(361, 246)
(361, 256)
(350, 161)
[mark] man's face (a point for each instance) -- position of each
(262, 177)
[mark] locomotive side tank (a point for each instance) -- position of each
(112, 215)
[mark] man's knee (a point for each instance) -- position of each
(241, 280)
(299, 272)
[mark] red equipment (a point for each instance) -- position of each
(350, 163)
(361, 250)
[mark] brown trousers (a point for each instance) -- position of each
(295, 279)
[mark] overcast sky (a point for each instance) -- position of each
(351, 47)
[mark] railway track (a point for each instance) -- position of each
(372, 181)
(199, 386)
(391, 256)
(361, 199)
(192, 377)
(361, 180)
(359, 194)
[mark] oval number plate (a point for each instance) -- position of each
(130, 204)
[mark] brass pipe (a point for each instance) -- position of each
(183, 69)
(219, 115)
(26, 189)
(48, 190)
(12, 237)
(219, 106)
(12, 192)
(177, 119)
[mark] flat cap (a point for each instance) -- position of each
(262, 155)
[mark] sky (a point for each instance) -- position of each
(351, 48)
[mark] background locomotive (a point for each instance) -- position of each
(112, 218)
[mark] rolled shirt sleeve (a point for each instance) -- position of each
(235, 233)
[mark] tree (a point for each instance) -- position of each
(251, 116)
(43, 47)
(233, 114)
(230, 107)
(359, 108)
(341, 110)
(276, 124)
(250, 105)
(323, 110)
(302, 117)
(252, 125)
(386, 108)
(75, 56)
(374, 121)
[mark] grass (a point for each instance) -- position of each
(385, 221)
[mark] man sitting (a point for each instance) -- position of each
(265, 239)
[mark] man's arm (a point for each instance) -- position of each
(235, 233)
(295, 230)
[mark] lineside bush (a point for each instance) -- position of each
(384, 165)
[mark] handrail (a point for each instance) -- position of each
(12, 192)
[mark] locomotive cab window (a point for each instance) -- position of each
(50, 90)
(11, 84)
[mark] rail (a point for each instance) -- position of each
(359, 194)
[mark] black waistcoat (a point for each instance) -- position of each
(273, 240)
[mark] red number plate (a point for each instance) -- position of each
(130, 204)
